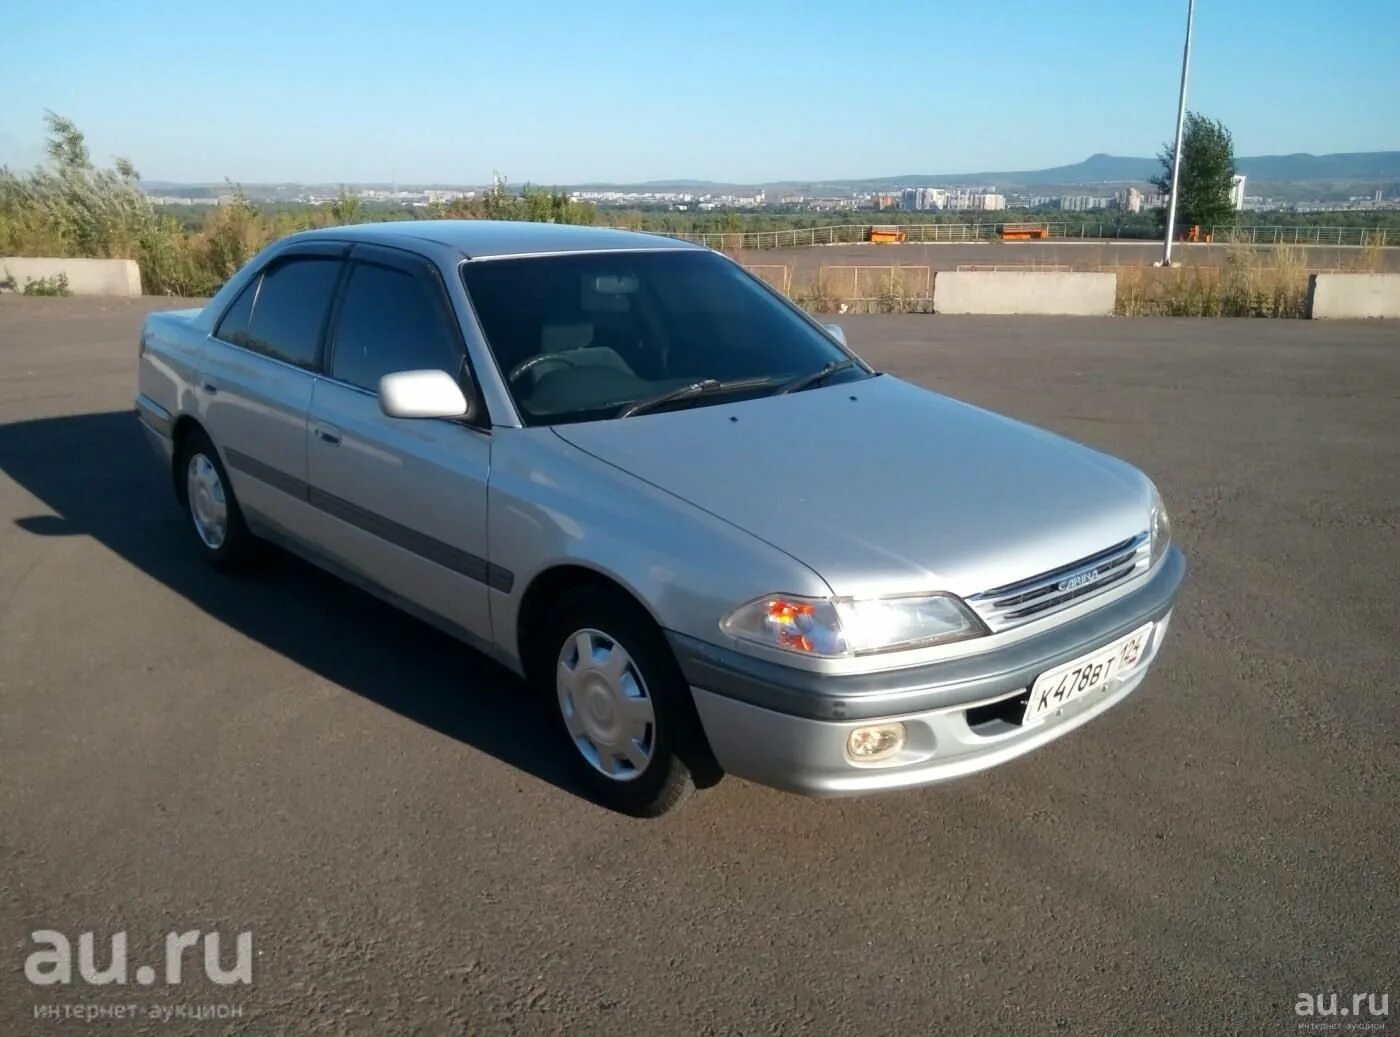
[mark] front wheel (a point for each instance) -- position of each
(624, 710)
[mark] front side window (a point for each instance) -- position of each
(392, 321)
(290, 309)
(583, 337)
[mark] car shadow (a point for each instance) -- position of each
(97, 474)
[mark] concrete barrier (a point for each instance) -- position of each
(1353, 295)
(1023, 291)
(85, 276)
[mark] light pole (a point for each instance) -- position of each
(1180, 125)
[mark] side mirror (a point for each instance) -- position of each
(836, 332)
(422, 394)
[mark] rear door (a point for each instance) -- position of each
(256, 381)
(401, 501)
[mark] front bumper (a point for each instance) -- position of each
(788, 728)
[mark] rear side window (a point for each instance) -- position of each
(234, 325)
(291, 309)
(391, 321)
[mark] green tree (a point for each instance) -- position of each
(1207, 172)
(346, 208)
(68, 207)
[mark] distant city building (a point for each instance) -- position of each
(923, 198)
(962, 198)
(1129, 199)
(1083, 202)
(1237, 191)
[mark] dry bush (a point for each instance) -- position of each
(817, 295)
(1178, 291)
(895, 294)
(1369, 258)
(1264, 282)
(1251, 282)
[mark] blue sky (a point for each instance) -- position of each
(738, 90)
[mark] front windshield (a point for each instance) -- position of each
(582, 337)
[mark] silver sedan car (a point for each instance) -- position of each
(674, 503)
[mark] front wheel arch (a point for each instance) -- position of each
(547, 587)
(563, 582)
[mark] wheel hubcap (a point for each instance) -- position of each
(607, 709)
(208, 504)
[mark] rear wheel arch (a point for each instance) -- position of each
(179, 436)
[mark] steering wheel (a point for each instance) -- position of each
(530, 362)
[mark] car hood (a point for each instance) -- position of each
(883, 487)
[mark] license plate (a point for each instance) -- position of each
(1063, 684)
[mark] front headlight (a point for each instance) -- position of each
(1161, 528)
(836, 627)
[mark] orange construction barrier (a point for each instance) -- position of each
(1024, 231)
(886, 235)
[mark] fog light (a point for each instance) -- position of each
(869, 744)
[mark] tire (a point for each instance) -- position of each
(628, 722)
(216, 520)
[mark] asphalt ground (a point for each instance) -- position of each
(1076, 255)
(282, 754)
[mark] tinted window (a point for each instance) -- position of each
(392, 321)
(234, 325)
(291, 309)
(581, 336)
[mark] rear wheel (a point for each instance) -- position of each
(623, 708)
(220, 532)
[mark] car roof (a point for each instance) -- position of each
(478, 239)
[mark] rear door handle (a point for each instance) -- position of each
(327, 434)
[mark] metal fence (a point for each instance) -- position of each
(895, 286)
(933, 233)
(1016, 268)
(1363, 236)
(851, 233)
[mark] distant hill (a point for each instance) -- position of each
(1094, 169)
(1356, 166)
(1100, 169)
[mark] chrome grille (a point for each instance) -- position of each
(1006, 606)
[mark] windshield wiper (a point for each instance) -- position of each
(820, 375)
(691, 391)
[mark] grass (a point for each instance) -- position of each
(55, 285)
(1251, 282)
(818, 295)
(865, 289)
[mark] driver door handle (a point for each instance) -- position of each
(327, 434)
